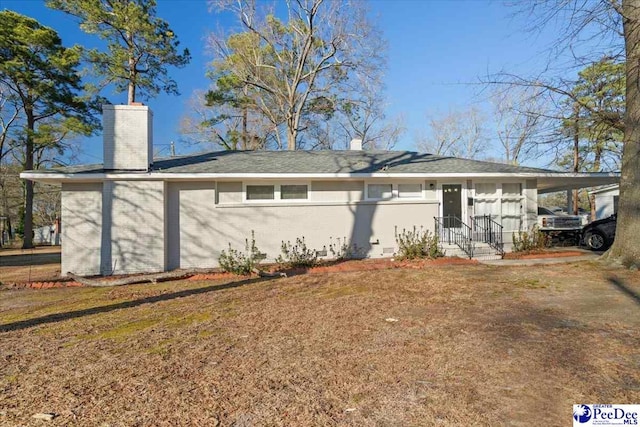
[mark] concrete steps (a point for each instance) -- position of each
(482, 251)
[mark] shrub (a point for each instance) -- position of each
(416, 243)
(297, 255)
(525, 241)
(241, 263)
(343, 251)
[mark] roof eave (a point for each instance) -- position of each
(606, 189)
(52, 177)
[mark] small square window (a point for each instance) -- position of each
(293, 192)
(380, 191)
(410, 191)
(260, 192)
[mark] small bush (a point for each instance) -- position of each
(297, 255)
(525, 241)
(416, 243)
(241, 263)
(344, 251)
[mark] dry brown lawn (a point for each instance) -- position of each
(472, 345)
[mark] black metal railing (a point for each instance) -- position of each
(486, 230)
(452, 230)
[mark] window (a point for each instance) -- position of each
(260, 192)
(484, 190)
(511, 190)
(410, 191)
(274, 192)
(379, 191)
(290, 192)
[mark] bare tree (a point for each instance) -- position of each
(11, 195)
(46, 204)
(361, 113)
(291, 69)
(458, 134)
(9, 117)
(611, 28)
(221, 127)
(362, 117)
(520, 119)
(46, 199)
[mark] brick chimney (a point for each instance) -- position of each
(127, 137)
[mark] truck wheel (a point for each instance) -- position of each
(596, 241)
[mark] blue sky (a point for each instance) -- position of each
(437, 51)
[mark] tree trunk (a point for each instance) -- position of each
(292, 135)
(27, 242)
(245, 114)
(5, 213)
(131, 93)
(626, 247)
(244, 128)
(597, 158)
(576, 152)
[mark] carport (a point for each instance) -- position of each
(555, 182)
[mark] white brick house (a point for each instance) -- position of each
(138, 214)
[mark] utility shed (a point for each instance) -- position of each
(606, 200)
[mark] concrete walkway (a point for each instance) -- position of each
(587, 256)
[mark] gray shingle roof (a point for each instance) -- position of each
(317, 162)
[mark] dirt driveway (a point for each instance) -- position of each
(445, 345)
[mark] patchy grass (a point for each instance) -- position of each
(530, 283)
(123, 330)
(473, 345)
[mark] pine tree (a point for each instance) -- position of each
(43, 83)
(140, 46)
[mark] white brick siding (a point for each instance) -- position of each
(136, 240)
(156, 225)
(190, 217)
(199, 229)
(81, 228)
(127, 137)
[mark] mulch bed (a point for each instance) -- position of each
(388, 263)
(327, 267)
(352, 265)
(62, 283)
